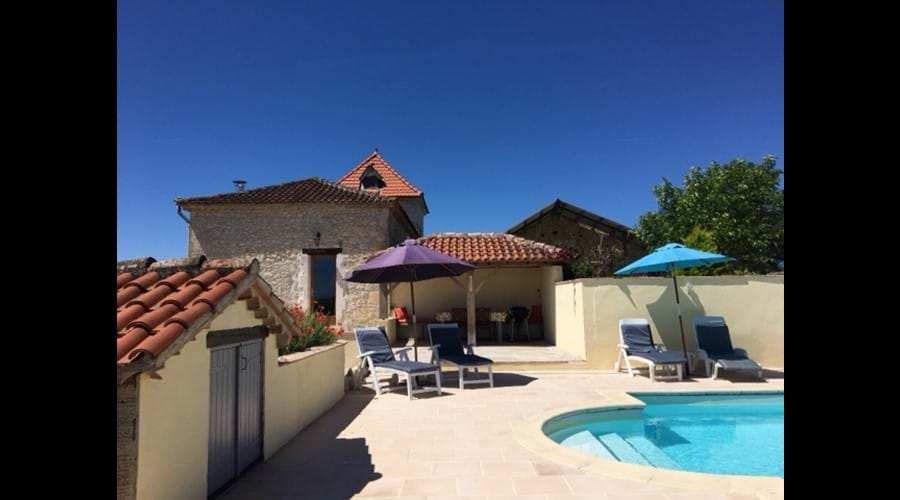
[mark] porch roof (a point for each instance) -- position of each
(500, 249)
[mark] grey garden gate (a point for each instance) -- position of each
(235, 410)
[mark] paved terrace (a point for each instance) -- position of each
(461, 445)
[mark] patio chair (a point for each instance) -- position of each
(636, 345)
(518, 315)
(536, 315)
(715, 350)
(374, 347)
(446, 346)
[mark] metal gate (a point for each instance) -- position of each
(235, 411)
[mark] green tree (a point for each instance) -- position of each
(702, 239)
(740, 204)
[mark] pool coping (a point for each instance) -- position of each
(530, 434)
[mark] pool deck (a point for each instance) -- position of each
(483, 444)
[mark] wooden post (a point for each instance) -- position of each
(470, 309)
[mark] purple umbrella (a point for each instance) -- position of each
(409, 261)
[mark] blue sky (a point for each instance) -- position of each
(494, 109)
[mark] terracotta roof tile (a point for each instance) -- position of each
(312, 190)
(395, 184)
(495, 248)
(160, 303)
(153, 303)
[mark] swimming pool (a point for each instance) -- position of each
(713, 433)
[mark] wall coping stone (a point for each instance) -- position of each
(299, 356)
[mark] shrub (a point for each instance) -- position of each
(314, 331)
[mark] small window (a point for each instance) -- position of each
(371, 180)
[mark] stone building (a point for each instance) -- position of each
(306, 234)
(603, 243)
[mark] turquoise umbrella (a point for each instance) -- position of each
(668, 258)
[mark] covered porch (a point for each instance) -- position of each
(511, 272)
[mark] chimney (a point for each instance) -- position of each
(239, 185)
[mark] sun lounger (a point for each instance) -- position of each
(636, 345)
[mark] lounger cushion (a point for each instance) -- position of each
(374, 340)
(715, 340)
(408, 366)
(467, 360)
(663, 358)
(735, 363)
(448, 340)
(637, 338)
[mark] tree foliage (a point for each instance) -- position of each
(739, 206)
(702, 239)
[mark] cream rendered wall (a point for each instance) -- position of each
(753, 306)
(173, 427)
(569, 314)
(173, 434)
(549, 276)
(298, 392)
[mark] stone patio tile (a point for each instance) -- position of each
(403, 469)
(485, 486)
(612, 487)
(383, 487)
(512, 468)
(429, 486)
(431, 454)
(595, 496)
(457, 469)
(691, 495)
(479, 454)
(455, 497)
(554, 469)
(540, 485)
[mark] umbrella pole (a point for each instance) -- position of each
(412, 298)
(687, 370)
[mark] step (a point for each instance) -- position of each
(585, 441)
(621, 449)
(654, 454)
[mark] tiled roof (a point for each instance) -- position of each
(395, 184)
(313, 190)
(495, 248)
(576, 214)
(160, 303)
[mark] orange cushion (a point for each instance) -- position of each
(400, 314)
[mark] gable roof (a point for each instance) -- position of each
(573, 212)
(312, 190)
(496, 248)
(160, 306)
(395, 184)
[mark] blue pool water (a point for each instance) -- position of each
(719, 434)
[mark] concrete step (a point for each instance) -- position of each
(585, 441)
(654, 454)
(621, 449)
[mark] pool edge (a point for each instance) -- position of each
(530, 434)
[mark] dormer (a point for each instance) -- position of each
(371, 180)
(374, 174)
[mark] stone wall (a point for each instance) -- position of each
(415, 209)
(561, 231)
(126, 439)
(276, 235)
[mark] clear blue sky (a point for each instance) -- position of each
(494, 109)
